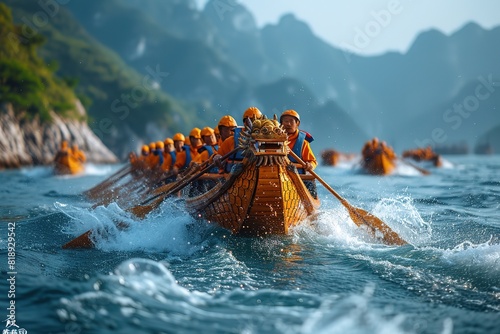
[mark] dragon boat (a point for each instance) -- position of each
(263, 195)
(379, 163)
(330, 157)
(67, 164)
(424, 155)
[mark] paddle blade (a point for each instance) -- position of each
(420, 169)
(82, 241)
(141, 211)
(376, 226)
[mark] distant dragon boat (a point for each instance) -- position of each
(424, 155)
(379, 164)
(378, 158)
(67, 164)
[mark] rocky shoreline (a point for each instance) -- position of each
(32, 142)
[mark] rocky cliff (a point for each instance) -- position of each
(32, 142)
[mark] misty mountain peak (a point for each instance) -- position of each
(470, 30)
(230, 15)
(290, 23)
(429, 38)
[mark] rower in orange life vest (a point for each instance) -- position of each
(78, 154)
(138, 162)
(169, 158)
(169, 154)
(62, 153)
(226, 127)
(232, 142)
(209, 148)
(188, 152)
(298, 141)
(217, 136)
(155, 158)
(150, 158)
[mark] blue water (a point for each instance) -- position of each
(173, 274)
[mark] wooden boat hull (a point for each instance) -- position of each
(379, 164)
(257, 201)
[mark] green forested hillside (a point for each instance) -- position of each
(120, 101)
(26, 80)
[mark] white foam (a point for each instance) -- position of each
(483, 257)
(93, 169)
(113, 229)
(400, 214)
(37, 172)
(334, 223)
(352, 315)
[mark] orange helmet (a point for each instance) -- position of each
(216, 131)
(168, 141)
(145, 148)
(253, 113)
(207, 131)
(290, 112)
(152, 146)
(179, 136)
(196, 133)
(228, 121)
(160, 145)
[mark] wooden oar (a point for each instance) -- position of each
(161, 186)
(153, 202)
(359, 216)
(101, 187)
(420, 169)
(84, 241)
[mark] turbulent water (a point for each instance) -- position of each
(173, 274)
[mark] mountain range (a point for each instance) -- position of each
(215, 61)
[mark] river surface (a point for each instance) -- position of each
(171, 273)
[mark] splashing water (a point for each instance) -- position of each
(165, 229)
(402, 216)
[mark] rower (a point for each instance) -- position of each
(210, 146)
(188, 152)
(232, 142)
(298, 142)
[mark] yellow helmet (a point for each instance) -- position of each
(152, 146)
(160, 145)
(207, 131)
(168, 141)
(253, 113)
(179, 137)
(145, 148)
(216, 131)
(290, 112)
(228, 121)
(196, 133)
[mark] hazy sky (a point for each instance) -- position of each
(376, 26)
